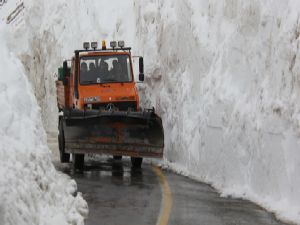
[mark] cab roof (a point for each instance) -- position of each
(98, 53)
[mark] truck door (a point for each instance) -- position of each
(71, 93)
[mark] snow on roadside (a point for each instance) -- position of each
(224, 76)
(31, 190)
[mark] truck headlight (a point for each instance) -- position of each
(121, 44)
(94, 45)
(91, 99)
(86, 45)
(113, 44)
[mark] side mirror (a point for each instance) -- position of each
(63, 76)
(65, 68)
(141, 69)
(141, 65)
(141, 77)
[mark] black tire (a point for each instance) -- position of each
(64, 157)
(78, 161)
(117, 157)
(136, 162)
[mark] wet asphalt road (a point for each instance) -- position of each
(119, 195)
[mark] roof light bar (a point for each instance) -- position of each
(86, 45)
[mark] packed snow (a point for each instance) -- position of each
(223, 74)
(31, 190)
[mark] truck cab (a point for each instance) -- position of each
(102, 79)
(106, 80)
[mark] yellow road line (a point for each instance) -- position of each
(167, 198)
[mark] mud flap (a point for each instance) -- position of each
(137, 134)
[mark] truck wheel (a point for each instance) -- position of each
(117, 157)
(64, 157)
(78, 161)
(136, 162)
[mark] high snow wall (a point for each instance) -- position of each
(31, 190)
(224, 76)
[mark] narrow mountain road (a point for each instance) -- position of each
(119, 195)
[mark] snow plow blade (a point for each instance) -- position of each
(136, 134)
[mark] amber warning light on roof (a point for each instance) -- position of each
(103, 45)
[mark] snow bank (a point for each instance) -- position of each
(31, 190)
(224, 75)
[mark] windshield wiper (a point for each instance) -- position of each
(109, 80)
(89, 82)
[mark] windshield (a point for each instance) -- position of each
(105, 69)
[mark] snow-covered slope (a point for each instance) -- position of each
(224, 75)
(31, 190)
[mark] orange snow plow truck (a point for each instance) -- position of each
(99, 107)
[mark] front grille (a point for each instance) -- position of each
(121, 106)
